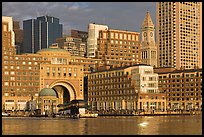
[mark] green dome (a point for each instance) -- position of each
(52, 50)
(47, 92)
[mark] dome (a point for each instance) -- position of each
(47, 92)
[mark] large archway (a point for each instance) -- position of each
(65, 91)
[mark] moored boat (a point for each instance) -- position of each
(5, 114)
(94, 115)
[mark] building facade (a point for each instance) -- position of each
(183, 88)
(24, 76)
(148, 45)
(179, 34)
(117, 48)
(83, 35)
(132, 88)
(93, 34)
(72, 44)
(40, 33)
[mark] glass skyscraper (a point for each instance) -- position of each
(40, 33)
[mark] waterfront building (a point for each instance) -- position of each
(117, 48)
(183, 88)
(148, 46)
(40, 33)
(47, 101)
(179, 34)
(24, 76)
(127, 88)
(93, 34)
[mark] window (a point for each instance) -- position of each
(70, 71)
(12, 73)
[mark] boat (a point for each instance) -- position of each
(88, 115)
(5, 114)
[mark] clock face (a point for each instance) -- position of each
(145, 34)
(151, 34)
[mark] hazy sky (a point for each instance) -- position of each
(77, 15)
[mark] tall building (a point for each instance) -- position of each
(40, 33)
(148, 46)
(179, 34)
(93, 34)
(118, 48)
(18, 37)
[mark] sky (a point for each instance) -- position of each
(77, 15)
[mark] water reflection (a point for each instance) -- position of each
(164, 125)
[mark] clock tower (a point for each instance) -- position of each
(148, 46)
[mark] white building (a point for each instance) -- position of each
(145, 79)
(9, 20)
(93, 34)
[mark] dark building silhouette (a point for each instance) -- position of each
(40, 33)
(18, 37)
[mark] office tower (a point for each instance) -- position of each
(93, 33)
(118, 48)
(18, 37)
(179, 34)
(148, 46)
(40, 33)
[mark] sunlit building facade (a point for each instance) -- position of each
(179, 34)
(118, 48)
(128, 88)
(183, 88)
(72, 44)
(24, 76)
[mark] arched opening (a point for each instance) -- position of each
(63, 93)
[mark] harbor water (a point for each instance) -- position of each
(104, 125)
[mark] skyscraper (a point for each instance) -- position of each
(148, 46)
(40, 33)
(18, 37)
(179, 34)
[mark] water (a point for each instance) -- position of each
(109, 125)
